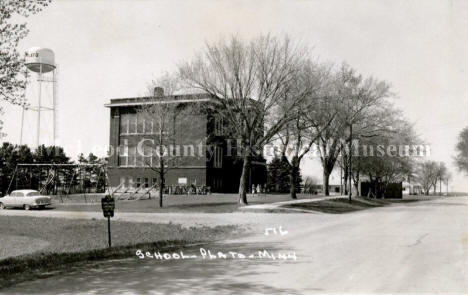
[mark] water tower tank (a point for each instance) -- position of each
(40, 60)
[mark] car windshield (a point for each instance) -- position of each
(33, 194)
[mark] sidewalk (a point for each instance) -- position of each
(279, 206)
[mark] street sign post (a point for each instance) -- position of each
(108, 206)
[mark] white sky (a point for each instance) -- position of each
(108, 49)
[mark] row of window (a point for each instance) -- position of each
(139, 182)
(135, 124)
(131, 158)
(219, 126)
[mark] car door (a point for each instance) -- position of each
(18, 199)
(9, 200)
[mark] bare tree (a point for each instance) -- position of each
(250, 81)
(351, 99)
(382, 160)
(298, 136)
(427, 175)
(165, 117)
(441, 175)
(461, 159)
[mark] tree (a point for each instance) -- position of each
(250, 81)
(278, 178)
(298, 135)
(385, 159)
(441, 176)
(310, 185)
(427, 175)
(461, 159)
(351, 99)
(10, 156)
(12, 70)
(92, 174)
(169, 123)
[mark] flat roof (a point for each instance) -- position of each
(146, 100)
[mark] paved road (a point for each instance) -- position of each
(406, 248)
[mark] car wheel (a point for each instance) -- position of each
(26, 207)
(41, 206)
(2, 206)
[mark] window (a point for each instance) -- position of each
(130, 182)
(146, 182)
(132, 124)
(138, 182)
(218, 126)
(149, 126)
(218, 157)
(123, 153)
(124, 123)
(131, 156)
(147, 157)
(154, 181)
(139, 158)
(122, 181)
(140, 123)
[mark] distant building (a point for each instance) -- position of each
(213, 164)
(413, 188)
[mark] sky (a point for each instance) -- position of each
(110, 49)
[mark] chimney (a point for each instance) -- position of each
(158, 92)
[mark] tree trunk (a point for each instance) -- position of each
(293, 173)
(345, 180)
(326, 178)
(161, 190)
(162, 181)
(243, 184)
(356, 184)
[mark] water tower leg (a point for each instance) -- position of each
(22, 125)
(53, 105)
(39, 111)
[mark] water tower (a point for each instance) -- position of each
(41, 61)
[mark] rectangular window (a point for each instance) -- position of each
(154, 181)
(147, 159)
(132, 156)
(148, 125)
(146, 182)
(140, 123)
(132, 125)
(138, 182)
(218, 157)
(218, 126)
(123, 154)
(124, 122)
(140, 158)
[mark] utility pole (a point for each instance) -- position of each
(350, 160)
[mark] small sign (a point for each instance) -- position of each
(108, 206)
(182, 180)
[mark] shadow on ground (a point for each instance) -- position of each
(150, 276)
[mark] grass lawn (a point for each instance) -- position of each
(31, 247)
(342, 204)
(215, 203)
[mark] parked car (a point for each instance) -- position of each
(25, 199)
